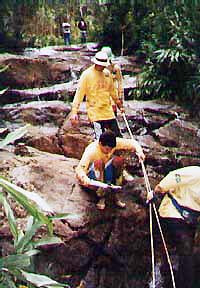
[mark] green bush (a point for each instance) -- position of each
(172, 66)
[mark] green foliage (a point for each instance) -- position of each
(41, 280)
(40, 22)
(172, 70)
(13, 136)
(165, 33)
(114, 19)
(24, 245)
(3, 68)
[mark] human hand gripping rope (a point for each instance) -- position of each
(150, 198)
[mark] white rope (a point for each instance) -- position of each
(152, 246)
(165, 246)
(159, 226)
(149, 191)
(148, 188)
(129, 130)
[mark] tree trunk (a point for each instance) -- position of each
(122, 49)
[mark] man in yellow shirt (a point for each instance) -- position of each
(98, 88)
(99, 163)
(179, 212)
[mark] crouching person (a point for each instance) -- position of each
(99, 163)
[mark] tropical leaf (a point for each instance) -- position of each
(3, 91)
(14, 261)
(4, 285)
(32, 252)
(20, 236)
(11, 137)
(41, 280)
(29, 195)
(3, 68)
(47, 241)
(10, 216)
(8, 282)
(24, 241)
(20, 196)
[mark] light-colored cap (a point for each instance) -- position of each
(65, 24)
(101, 59)
(108, 51)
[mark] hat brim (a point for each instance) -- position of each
(100, 63)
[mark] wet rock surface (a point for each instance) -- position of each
(51, 73)
(107, 248)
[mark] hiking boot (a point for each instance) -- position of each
(127, 176)
(100, 192)
(120, 204)
(101, 204)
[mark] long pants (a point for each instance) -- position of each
(103, 125)
(108, 173)
(67, 39)
(83, 36)
(180, 236)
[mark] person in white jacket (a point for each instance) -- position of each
(66, 33)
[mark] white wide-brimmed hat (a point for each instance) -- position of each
(101, 58)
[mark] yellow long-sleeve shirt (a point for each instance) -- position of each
(98, 88)
(116, 74)
(186, 184)
(93, 152)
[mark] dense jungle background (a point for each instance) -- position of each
(51, 234)
(164, 33)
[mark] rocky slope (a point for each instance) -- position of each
(108, 248)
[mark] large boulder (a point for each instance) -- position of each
(51, 73)
(93, 241)
(169, 137)
(33, 72)
(107, 248)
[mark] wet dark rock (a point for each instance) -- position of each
(101, 247)
(55, 92)
(92, 238)
(51, 73)
(182, 134)
(167, 141)
(33, 72)
(35, 113)
(109, 248)
(21, 149)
